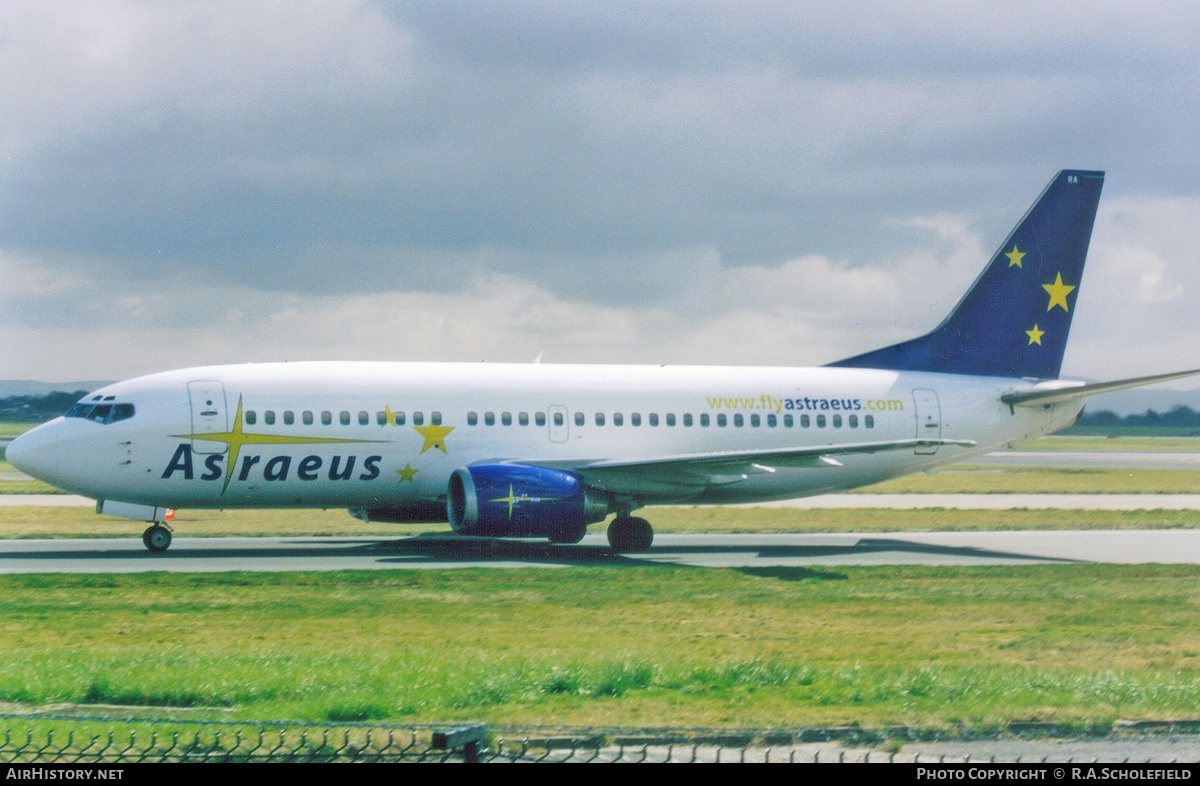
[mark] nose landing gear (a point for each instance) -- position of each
(157, 538)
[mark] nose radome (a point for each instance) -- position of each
(34, 452)
(17, 453)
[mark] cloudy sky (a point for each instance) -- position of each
(783, 183)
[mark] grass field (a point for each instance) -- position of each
(967, 479)
(9, 429)
(1151, 444)
(654, 645)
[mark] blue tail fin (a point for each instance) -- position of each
(1014, 320)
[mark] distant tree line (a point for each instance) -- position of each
(1180, 416)
(38, 408)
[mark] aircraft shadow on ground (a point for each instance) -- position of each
(426, 549)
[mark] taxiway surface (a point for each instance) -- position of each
(797, 551)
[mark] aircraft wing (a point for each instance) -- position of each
(1062, 391)
(695, 471)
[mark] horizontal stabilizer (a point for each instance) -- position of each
(1062, 394)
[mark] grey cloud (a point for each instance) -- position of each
(606, 151)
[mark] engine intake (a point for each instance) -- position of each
(512, 500)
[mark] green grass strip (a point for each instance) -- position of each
(648, 645)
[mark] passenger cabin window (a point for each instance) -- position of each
(771, 421)
(652, 418)
(288, 417)
(307, 417)
(788, 422)
(869, 421)
(837, 421)
(738, 421)
(558, 419)
(820, 421)
(704, 420)
(804, 421)
(489, 418)
(853, 421)
(523, 419)
(670, 419)
(381, 418)
(364, 418)
(344, 418)
(687, 420)
(579, 418)
(539, 418)
(269, 417)
(326, 418)
(722, 421)
(506, 418)
(618, 419)
(472, 419)
(635, 419)
(418, 419)
(599, 418)
(755, 421)
(250, 417)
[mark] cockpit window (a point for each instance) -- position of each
(101, 413)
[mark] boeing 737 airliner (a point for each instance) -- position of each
(540, 450)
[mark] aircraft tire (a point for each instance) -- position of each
(630, 535)
(157, 538)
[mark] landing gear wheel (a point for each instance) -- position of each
(569, 536)
(157, 538)
(630, 535)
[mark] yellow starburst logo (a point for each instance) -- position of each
(237, 438)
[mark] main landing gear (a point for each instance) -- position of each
(630, 534)
(157, 538)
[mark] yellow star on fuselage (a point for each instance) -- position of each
(435, 436)
(1058, 293)
(407, 473)
(389, 417)
(1015, 256)
(1035, 335)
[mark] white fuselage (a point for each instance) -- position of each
(345, 434)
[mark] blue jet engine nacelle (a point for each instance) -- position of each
(512, 500)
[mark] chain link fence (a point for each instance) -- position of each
(46, 738)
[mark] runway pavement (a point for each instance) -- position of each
(764, 552)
